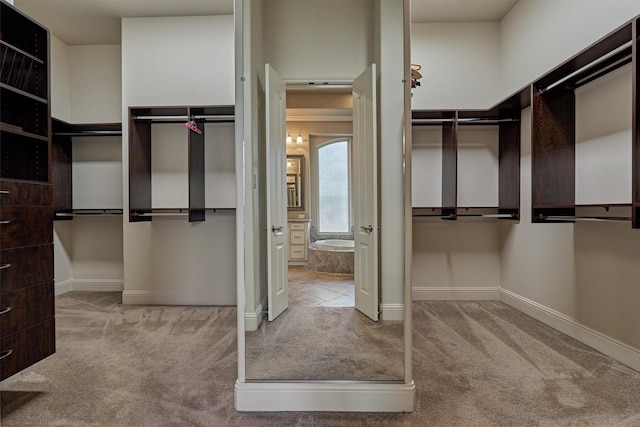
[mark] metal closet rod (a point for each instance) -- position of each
(586, 67)
(585, 218)
(508, 215)
(159, 214)
(464, 120)
(88, 212)
(211, 117)
(90, 133)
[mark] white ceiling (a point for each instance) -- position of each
(86, 22)
(460, 10)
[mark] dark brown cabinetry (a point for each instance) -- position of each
(62, 139)
(27, 332)
(553, 133)
(141, 120)
(506, 116)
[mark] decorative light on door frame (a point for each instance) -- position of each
(299, 138)
(289, 140)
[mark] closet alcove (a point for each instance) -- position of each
(171, 122)
(480, 157)
(565, 143)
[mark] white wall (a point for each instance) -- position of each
(460, 65)
(301, 34)
(537, 35)
(178, 61)
(86, 87)
(60, 80)
(95, 84)
(603, 139)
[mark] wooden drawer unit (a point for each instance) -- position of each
(25, 307)
(25, 225)
(25, 266)
(26, 347)
(25, 193)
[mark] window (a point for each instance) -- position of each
(332, 182)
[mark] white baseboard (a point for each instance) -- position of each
(392, 311)
(178, 298)
(443, 293)
(324, 396)
(99, 285)
(95, 285)
(609, 346)
(253, 320)
(62, 287)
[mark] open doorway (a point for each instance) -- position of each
(319, 133)
(363, 180)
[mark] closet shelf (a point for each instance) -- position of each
(16, 130)
(10, 88)
(486, 212)
(87, 212)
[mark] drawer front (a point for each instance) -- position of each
(25, 307)
(297, 226)
(25, 193)
(296, 237)
(296, 252)
(25, 226)
(26, 347)
(26, 266)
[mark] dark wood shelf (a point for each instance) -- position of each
(506, 116)
(554, 122)
(62, 159)
(26, 94)
(5, 127)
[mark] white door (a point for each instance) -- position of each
(276, 205)
(365, 192)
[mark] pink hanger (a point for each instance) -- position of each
(191, 125)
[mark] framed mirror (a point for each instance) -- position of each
(295, 182)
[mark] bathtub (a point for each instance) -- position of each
(331, 256)
(334, 245)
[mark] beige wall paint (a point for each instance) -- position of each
(60, 80)
(460, 65)
(96, 95)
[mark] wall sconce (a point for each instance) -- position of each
(299, 139)
(289, 140)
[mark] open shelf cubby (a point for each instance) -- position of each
(142, 122)
(505, 118)
(554, 127)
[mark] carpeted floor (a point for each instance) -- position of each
(318, 315)
(475, 364)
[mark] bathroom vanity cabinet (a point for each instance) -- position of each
(298, 241)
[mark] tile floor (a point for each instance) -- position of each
(311, 289)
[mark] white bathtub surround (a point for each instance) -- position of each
(334, 245)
